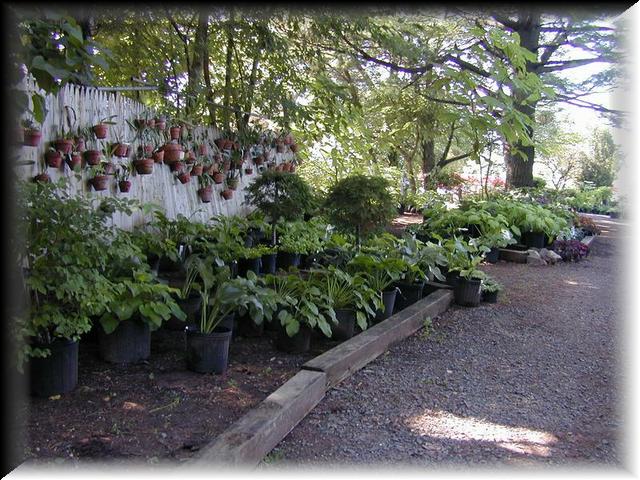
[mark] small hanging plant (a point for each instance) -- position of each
(98, 179)
(205, 192)
(31, 133)
(122, 177)
(101, 129)
(53, 158)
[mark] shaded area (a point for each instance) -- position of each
(156, 409)
(530, 380)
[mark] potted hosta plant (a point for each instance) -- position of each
(251, 316)
(207, 347)
(140, 304)
(353, 300)
(490, 289)
(467, 257)
(303, 307)
(381, 273)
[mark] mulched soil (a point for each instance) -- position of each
(155, 410)
(531, 380)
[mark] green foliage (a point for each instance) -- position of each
(381, 271)
(361, 204)
(280, 195)
(301, 302)
(490, 285)
(600, 167)
(302, 237)
(348, 291)
(73, 262)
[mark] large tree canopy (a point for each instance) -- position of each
(382, 92)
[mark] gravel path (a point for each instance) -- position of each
(531, 380)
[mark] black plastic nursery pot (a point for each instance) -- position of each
(534, 239)
(208, 352)
(452, 278)
(493, 255)
(248, 264)
(228, 322)
(389, 301)
(346, 324)
(490, 297)
(299, 343)
(307, 261)
(257, 235)
(409, 294)
(233, 268)
(57, 373)
(473, 231)
(128, 343)
(248, 328)
(467, 292)
(285, 260)
(268, 263)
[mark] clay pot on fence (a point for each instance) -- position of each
(218, 178)
(74, 160)
(197, 170)
(99, 182)
(124, 186)
(101, 130)
(172, 152)
(31, 137)
(64, 145)
(206, 193)
(158, 156)
(184, 177)
(53, 159)
(92, 157)
(227, 194)
(144, 166)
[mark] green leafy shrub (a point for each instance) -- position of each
(360, 204)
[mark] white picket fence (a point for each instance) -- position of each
(161, 187)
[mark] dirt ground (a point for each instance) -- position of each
(155, 410)
(531, 380)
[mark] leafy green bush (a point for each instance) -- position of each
(360, 204)
(280, 195)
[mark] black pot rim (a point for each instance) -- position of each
(218, 332)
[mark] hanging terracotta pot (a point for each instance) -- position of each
(74, 160)
(227, 194)
(92, 157)
(80, 144)
(100, 182)
(218, 178)
(42, 178)
(109, 168)
(53, 159)
(206, 193)
(31, 137)
(124, 186)
(101, 130)
(151, 123)
(184, 177)
(144, 166)
(172, 152)
(177, 166)
(175, 133)
(120, 150)
(197, 170)
(64, 145)
(158, 156)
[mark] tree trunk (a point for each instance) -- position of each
(226, 117)
(520, 168)
(428, 159)
(197, 61)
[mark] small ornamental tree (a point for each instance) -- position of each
(280, 195)
(361, 204)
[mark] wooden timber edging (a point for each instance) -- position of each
(588, 240)
(247, 441)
